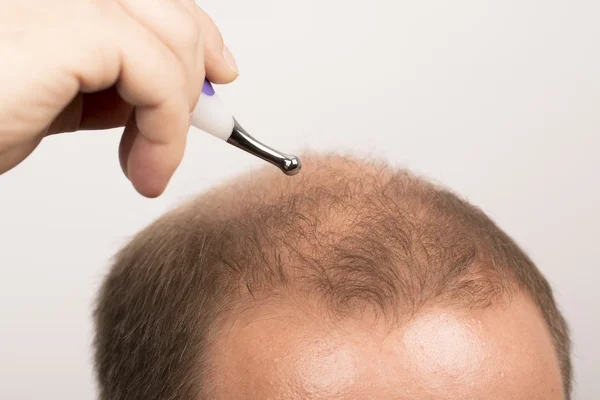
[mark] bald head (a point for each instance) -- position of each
(351, 280)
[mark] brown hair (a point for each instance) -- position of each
(348, 233)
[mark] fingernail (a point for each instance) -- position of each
(230, 60)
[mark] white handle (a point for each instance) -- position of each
(211, 116)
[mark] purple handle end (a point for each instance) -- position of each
(207, 88)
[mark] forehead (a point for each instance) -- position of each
(275, 352)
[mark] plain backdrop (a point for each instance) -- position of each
(499, 100)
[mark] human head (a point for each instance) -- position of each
(351, 280)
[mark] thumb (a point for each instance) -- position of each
(220, 65)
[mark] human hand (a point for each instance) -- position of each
(71, 65)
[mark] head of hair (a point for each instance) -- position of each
(345, 234)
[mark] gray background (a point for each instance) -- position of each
(500, 100)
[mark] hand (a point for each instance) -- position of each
(69, 65)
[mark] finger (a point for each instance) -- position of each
(154, 81)
(220, 64)
(173, 24)
(149, 166)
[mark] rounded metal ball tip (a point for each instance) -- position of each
(292, 166)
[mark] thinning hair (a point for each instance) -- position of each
(345, 233)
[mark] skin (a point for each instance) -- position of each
(70, 65)
(277, 351)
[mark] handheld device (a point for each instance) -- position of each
(211, 116)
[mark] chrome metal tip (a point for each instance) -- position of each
(290, 165)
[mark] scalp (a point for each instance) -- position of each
(345, 236)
